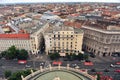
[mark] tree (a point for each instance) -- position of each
(0, 56)
(7, 73)
(74, 56)
(17, 75)
(22, 54)
(11, 53)
(27, 72)
(86, 57)
(98, 76)
(3, 53)
(54, 56)
(80, 56)
(67, 56)
(71, 56)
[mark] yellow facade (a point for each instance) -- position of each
(64, 41)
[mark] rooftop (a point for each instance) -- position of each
(16, 36)
(102, 25)
(34, 26)
(54, 28)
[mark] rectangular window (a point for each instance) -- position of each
(58, 36)
(67, 42)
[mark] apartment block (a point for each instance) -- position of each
(63, 40)
(101, 42)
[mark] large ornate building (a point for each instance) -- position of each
(23, 36)
(63, 40)
(101, 39)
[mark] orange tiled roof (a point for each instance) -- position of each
(2, 22)
(20, 36)
(74, 24)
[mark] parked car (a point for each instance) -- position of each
(87, 61)
(27, 66)
(117, 70)
(106, 70)
(114, 65)
(92, 55)
(93, 70)
(116, 55)
(118, 63)
(74, 65)
(41, 64)
(99, 73)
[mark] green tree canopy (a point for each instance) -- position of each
(11, 53)
(98, 76)
(22, 54)
(54, 56)
(7, 73)
(17, 75)
(80, 56)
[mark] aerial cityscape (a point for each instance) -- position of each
(60, 41)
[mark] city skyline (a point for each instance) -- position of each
(35, 1)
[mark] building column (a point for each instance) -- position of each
(41, 70)
(50, 67)
(58, 66)
(32, 72)
(22, 77)
(68, 66)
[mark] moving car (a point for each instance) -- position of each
(114, 65)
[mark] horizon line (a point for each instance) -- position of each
(58, 2)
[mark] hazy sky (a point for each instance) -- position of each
(23, 1)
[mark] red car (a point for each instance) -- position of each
(88, 63)
(99, 73)
(22, 61)
(56, 62)
(117, 70)
(118, 63)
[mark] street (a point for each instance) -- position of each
(100, 64)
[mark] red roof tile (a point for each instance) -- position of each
(20, 36)
(73, 24)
